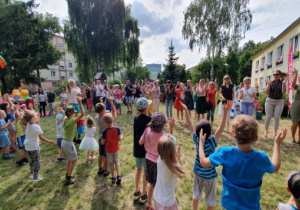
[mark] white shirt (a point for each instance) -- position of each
(247, 95)
(89, 132)
(41, 97)
(73, 97)
(98, 90)
(32, 137)
(63, 97)
(164, 191)
(283, 206)
(59, 130)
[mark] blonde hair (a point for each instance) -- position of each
(90, 121)
(167, 152)
(247, 78)
(224, 79)
(244, 129)
(28, 115)
(108, 118)
(70, 84)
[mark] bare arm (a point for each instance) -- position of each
(203, 160)
(8, 124)
(172, 123)
(121, 137)
(233, 93)
(284, 85)
(47, 140)
(294, 84)
(226, 109)
(81, 109)
(188, 118)
(276, 158)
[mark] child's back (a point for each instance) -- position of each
(139, 125)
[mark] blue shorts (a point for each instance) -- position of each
(59, 142)
(102, 151)
(4, 141)
(80, 130)
(140, 162)
(20, 141)
(11, 128)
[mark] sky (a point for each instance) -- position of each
(162, 20)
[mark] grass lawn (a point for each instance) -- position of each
(94, 192)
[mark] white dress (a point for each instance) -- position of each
(89, 143)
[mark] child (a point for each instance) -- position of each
(60, 132)
(4, 140)
(33, 134)
(139, 125)
(88, 142)
(22, 160)
(294, 189)
(150, 139)
(100, 110)
(168, 169)
(111, 137)
(237, 110)
(205, 178)
(243, 168)
(67, 145)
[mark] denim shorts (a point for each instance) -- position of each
(59, 142)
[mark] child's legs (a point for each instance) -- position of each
(138, 165)
(210, 193)
(22, 155)
(151, 174)
(100, 159)
(12, 137)
(118, 168)
(35, 162)
(110, 159)
(150, 194)
(88, 153)
(178, 114)
(70, 168)
(92, 153)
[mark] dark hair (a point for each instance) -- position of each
(203, 124)
(283, 74)
(99, 107)
(70, 110)
(3, 106)
(40, 91)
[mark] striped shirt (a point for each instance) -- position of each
(276, 90)
(209, 147)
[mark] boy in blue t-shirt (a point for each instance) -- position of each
(205, 178)
(243, 168)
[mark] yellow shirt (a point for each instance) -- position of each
(19, 129)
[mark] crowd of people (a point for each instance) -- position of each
(156, 154)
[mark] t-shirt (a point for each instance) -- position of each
(242, 175)
(164, 192)
(117, 94)
(3, 132)
(60, 129)
(140, 123)
(111, 136)
(227, 91)
(283, 206)
(8, 117)
(63, 97)
(209, 147)
(73, 96)
(98, 90)
(19, 129)
(51, 97)
(70, 129)
(138, 93)
(156, 92)
(32, 137)
(89, 132)
(41, 97)
(150, 140)
(247, 95)
(128, 92)
(101, 125)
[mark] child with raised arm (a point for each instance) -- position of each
(205, 178)
(22, 160)
(67, 145)
(4, 140)
(60, 131)
(243, 167)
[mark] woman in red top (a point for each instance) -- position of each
(179, 97)
(211, 97)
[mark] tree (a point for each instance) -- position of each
(215, 24)
(232, 61)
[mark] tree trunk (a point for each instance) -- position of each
(4, 86)
(212, 64)
(39, 78)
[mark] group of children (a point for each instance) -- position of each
(155, 152)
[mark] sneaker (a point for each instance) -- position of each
(72, 177)
(60, 159)
(37, 179)
(30, 176)
(89, 158)
(101, 171)
(69, 182)
(113, 180)
(144, 198)
(106, 173)
(25, 160)
(20, 162)
(137, 195)
(119, 180)
(9, 156)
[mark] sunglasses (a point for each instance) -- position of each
(275, 75)
(226, 78)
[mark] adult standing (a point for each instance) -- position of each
(63, 97)
(227, 93)
(201, 100)
(94, 94)
(188, 96)
(211, 101)
(128, 95)
(274, 103)
(156, 96)
(169, 90)
(247, 95)
(41, 97)
(118, 97)
(147, 90)
(51, 101)
(179, 98)
(295, 108)
(100, 91)
(89, 98)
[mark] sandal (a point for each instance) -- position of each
(113, 180)
(265, 136)
(119, 179)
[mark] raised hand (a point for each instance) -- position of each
(227, 106)
(201, 136)
(281, 136)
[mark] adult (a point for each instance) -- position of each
(188, 96)
(89, 98)
(179, 98)
(274, 103)
(107, 92)
(146, 90)
(100, 91)
(94, 94)
(169, 90)
(138, 92)
(227, 93)
(247, 95)
(295, 108)
(201, 99)
(41, 97)
(118, 97)
(156, 96)
(211, 101)
(63, 97)
(238, 90)
(128, 95)
(51, 101)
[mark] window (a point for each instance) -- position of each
(70, 65)
(268, 78)
(295, 42)
(261, 80)
(62, 68)
(279, 55)
(262, 67)
(71, 75)
(60, 46)
(269, 61)
(52, 73)
(63, 78)
(257, 66)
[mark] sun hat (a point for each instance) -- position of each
(294, 183)
(142, 103)
(60, 116)
(158, 118)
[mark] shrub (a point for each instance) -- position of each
(115, 81)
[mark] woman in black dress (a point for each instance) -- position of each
(188, 98)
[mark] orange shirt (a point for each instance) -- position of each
(211, 96)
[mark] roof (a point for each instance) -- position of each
(290, 27)
(100, 76)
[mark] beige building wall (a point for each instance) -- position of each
(282, 43)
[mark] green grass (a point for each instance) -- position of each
(94, 192)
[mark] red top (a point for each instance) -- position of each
(111, 136)
(211, 96)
